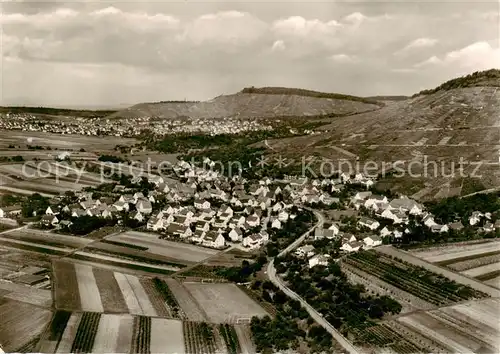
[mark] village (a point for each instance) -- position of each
(127, 127)
(206, 208)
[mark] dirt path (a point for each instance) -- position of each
(246, 343)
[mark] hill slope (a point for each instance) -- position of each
(269, 103)
(442, 127)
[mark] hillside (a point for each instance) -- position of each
(255, 105)
(441, 127)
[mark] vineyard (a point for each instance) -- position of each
(383, 336)
(199, 338)
(169, 299)
(230, 338)
(204, 271)
(417, 281)
(85, 335)
(141, 335)
(157, 299)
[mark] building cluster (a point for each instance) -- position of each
(128, 127)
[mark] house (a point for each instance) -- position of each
(201, 225)
(214, 240)
(439, 228)
(137, 196)
(475, 217)
(320, 233)
(374, 199)
(88, 204)
(137, 215)
(369, 223)
(10, 210)
(49, 220)
(222, 223)
(121, 206)
(201, 204)
(198, 235)
(385, 232)
(144, 206)
(52, 210)
(65, 223)
(351, 246)
(331, 226)
(224, 209)
(407, 205)
(362, 195)
(253, 220)
(488, 227)
(76, 213)
(428, 220)
(320, 259)
(236, 235)
(127, 198)
(275, 223)
(283, 216)
(372, 241)
(253, 241)
(179, 230)
(155, 223)
(305, 251)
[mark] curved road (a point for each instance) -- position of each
(271, 273)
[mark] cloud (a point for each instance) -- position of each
(343, 58)
(418, 44)
(278, 45)
(299, 26)
(476, 56)
(229, 27)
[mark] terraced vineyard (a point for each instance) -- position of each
(199, 338)
(87, 330)
(141, 339)
(230, 338)
(169, 299)
(417, 281)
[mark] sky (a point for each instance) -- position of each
(110, 54)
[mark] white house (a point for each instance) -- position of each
(372, 241)
(369, 223)
(201, 204)
(475, 217)
(253, 241)
(236, 235)
(307, 251)
(253, 220)
(374, 199)
(439, 228)
(351, 246)
(275, 223)
(320, 259)
(429, 221)
(362, 195)
(214, 240)
(144, 206)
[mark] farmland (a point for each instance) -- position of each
(80, 287)
(174, 250)
(224, 302)
(432, 288)
(480, 261)
(20, 323)
(58, 141)
(199, 337)
(167, 336)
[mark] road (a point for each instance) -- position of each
(271, 273)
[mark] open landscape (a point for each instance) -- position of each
(314, 178)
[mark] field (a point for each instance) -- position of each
(20, 324)
(465, 328)
(25, 294)
(480, 261)
(419, 282)
(47, 177)
(61, 142)
(224, 302)
(231, 258)
(186, 302)
(166, 336)
(80, 287)
(184, 253)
